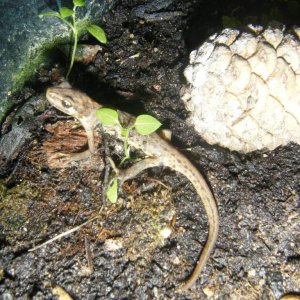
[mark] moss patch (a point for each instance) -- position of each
(14, 207)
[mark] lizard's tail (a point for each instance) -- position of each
(211, 209)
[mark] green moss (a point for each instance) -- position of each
(14, 207)
(36, 56)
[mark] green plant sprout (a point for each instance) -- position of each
(68, 16)
(144, 125)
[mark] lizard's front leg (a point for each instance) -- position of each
(67, 158)
(87, 154)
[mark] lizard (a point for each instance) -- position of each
(158, 150)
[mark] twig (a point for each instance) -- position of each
(89, 256)
(59, 236)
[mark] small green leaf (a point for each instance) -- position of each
(79, 2)
(145, 124)
(66, 12)
(112, 191)
(107, 116)
(49, 14)
(97, 32)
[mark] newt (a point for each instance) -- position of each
(159, 152)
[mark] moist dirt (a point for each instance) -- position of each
(147, 243)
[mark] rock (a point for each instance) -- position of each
(244, 88)
(25, 38)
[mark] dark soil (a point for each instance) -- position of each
(140, 70)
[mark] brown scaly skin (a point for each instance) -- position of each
(158, 150)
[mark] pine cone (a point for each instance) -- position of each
(245, 88)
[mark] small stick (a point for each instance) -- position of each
(59, 236)
(89, 256)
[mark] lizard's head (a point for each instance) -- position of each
(70, 101)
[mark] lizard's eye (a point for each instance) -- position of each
(66, 102)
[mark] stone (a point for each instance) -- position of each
(26, 38)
